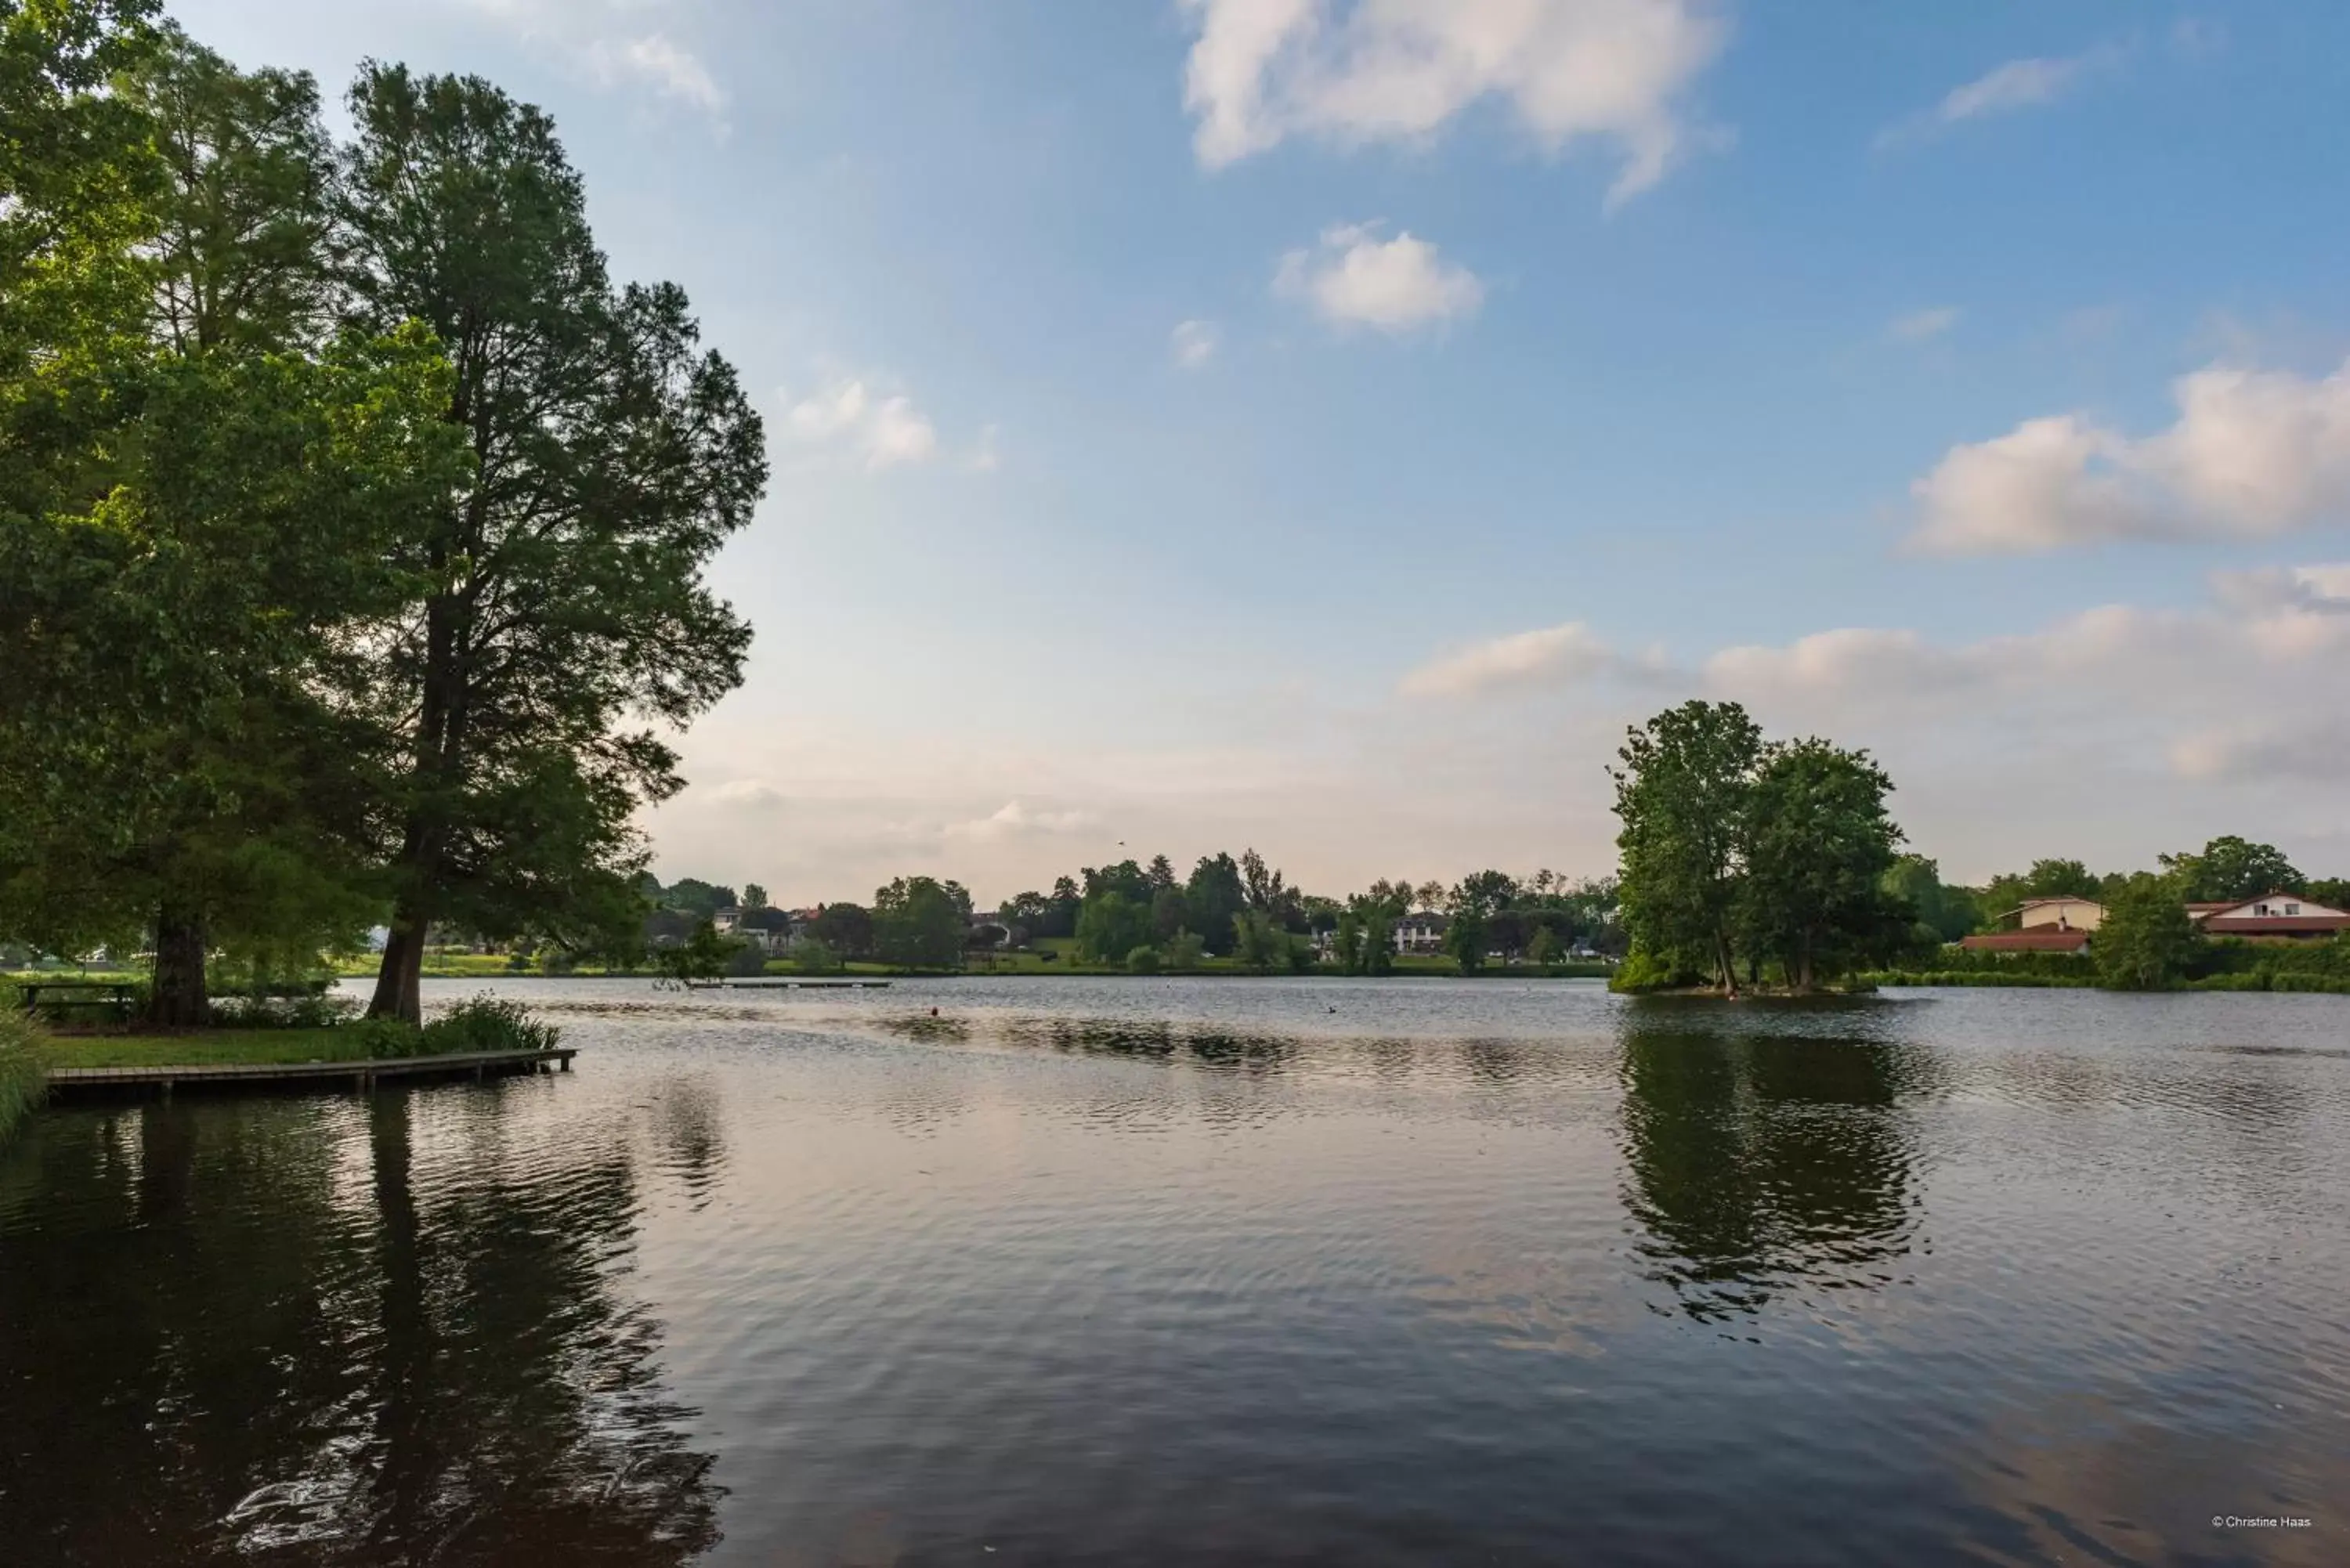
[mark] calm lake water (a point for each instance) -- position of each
(1240, 1272)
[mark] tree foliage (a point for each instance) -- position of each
(1465, 938)
(1734, 848)
(846, 928)
(918, 925)
(563, 605)
(1216, 898)
(1681, 795)
(2234, 869)
(1815, 844)
(1112, 924)
(203, 485)
(2148, 940)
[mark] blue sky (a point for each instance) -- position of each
(1324, 423)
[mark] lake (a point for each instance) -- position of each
(1364, 1272)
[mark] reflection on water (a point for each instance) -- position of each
(290, 1331)
(1761, 1164)
(1079, 1272)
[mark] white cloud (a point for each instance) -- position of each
(2110, 734)
(1845, 664)
(2263, 635)
(2321, 589)
(2018, 84)
(1015, 820)
(2005, 89)
(670, 70)
(1354, 278)
(1193, 343)
(748, 793)
(880, 432)
(1384, 70)
(2296, 750)
(2252, 455)
(1923, 325)
(1553, 656)
(605, 40)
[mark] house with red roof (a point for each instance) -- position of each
(2275, 917)
(2043, 926)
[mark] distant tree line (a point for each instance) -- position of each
(1142, 917)
(2228, 868)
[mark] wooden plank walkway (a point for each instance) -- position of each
(755, 984)
(310, 1074)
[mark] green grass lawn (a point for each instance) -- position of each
(207, 1048)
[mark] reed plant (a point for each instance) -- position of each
(24, 1070)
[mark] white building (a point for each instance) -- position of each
(1422, 933)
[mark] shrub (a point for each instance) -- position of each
(2078, 968)
(2256, 981)
(486, 1023)
(1142, 961)
(1184, 951)
(24, 1070)
(2017, 979)
(386, 1039)
(816, 958)
(1642, 970)
(282, 1012)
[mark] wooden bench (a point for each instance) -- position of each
(121, 998)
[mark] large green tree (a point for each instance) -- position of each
(1215, 897)
(1682, 793)
(1110, 925)
(918, 925)
(2233, 868)
(565, 619)
(185, 745)
(1466, 938)
(1944, 913)
(209, 546)
(2146, 941)
(1815, 844)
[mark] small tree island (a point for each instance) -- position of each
(1751, 864)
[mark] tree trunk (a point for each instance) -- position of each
(1727, 963)
(398, 983)
(178, 1000)
(440, 729)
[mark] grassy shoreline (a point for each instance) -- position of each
(207, 1048)
(1023, 966)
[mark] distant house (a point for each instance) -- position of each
(2279, 917)
(726, 919)
(1422, 933)
(2043, 926)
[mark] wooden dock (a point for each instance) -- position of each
(359, 1074)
